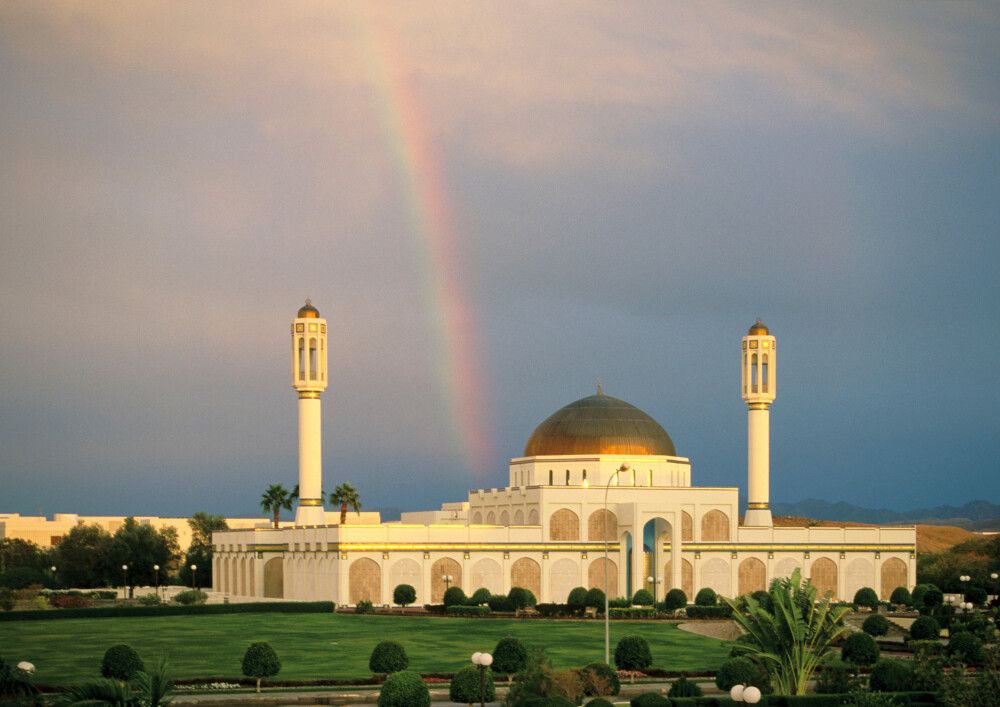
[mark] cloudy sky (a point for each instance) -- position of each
(493, 205)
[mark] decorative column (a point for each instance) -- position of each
(309, 379)
(758, 391)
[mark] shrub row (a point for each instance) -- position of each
(709, 612)
(282, 607)
(652, 699)
(633, 612)
(462, 610)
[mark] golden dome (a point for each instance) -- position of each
(599, 424)
(758, 329)
(307, 311)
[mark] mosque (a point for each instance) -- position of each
(600, 498)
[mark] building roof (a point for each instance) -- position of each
(599, 424)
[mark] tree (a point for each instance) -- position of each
(632, 653)
(520, 598)
(900, 595)
(642, 597)
(388, 657)
(795, 636)
(82, 557)
(577, 599)
(510, 656)
(140, 547)
(203, 525)
(15, 552)
(876, 625)
(121, 663)
(706, 596)
(859, 649)
(466, 684)
(404, 689)
(404, 595)
(454, 596)
(260, 661)
(346, 496)
(866, 597)
(676, 599)
(595, 599)
(200, 551)
(274, 499)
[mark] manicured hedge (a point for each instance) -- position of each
(910, 699)
(468, 610)
(709, 612)
(633, 612)
(278, 607)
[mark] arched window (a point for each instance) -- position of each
(313, 359)
(302, 359)
(753, 373)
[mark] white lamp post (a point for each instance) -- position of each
(156, 579)
(124, 581)
(482, 661)
(194, 576)
(447, 579)
(607, 622)
(654, 581)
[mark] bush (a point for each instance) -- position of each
(632, 653)
(6, 599)
(105, 594)
(966, 647)
(642, 598)
(454, 596)
(901, 595)
(521, 598)
(121, 663)
(388, 657)
(742, 671)
(834, 678)
(618, 603)
(600, 679)
(260, 661)
(709, 612)
(706, 597)
(404, 689)
(876, 625)
(637, 612)
(480, 596)
(549, 610)
(890, 676)
(509, 657)
(600, 702)
(404, 595)
(364, 607)
(649, 699)
(976, 595)
(859, 649)
(918, 593)
(466, 683)
(70, 601)
(595, 599)
(925, 628)
(577, 598)
(866, 596)
(191, 596)
(150, 600)
(499, 602)
(675, 599)
(463, 610)
(683, 687)
(933, 597)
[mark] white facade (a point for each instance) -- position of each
(551, 528)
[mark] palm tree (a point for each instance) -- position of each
(794, 636)
(274, 499)
(346, 495)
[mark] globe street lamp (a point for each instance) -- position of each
(482, 661)
(124, 581)
(156, 579)
(53, 570)
(447, 579)
(194, 577)
(654, 581)
(607, 623)
(745, 693)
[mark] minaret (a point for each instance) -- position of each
(309, 379)
(758, 385)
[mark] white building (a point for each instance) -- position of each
(598, 477)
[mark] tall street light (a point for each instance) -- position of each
(482, 661)
(447, 579)
(53, 569)
(607, 623)
(194, 576)
(654, 581)
(156, 579)
(124, 581)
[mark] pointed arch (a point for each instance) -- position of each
(364, 578)
(714, 526)
(487, 573)
(687, 527)
(527, 573)
(595, 576)
(564, 575)
(518, 517)
(441, 568)
(894, 575)
(602, 525)
(564, 524)
(752, 576)
(823, 575)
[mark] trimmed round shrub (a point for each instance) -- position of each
(510, 656)
(706, 597)
(388, 657)
(642, 598)
(595, 599)
(675, 599)
(891, 676)
(454, 596)
(918, 593)
(650, 699)
(976, 595)
(876, 625)
(834, 678)
(466, 683)
(859, 649)
(121, 662)
(404, 689)
(742, 671)
(925, 628)
(599, 679)
(901, 595)
(500, 602)
(933, 597)
(480, 596)
(404, 595)
(683, 687)
(260, 661)
(577, 598)
(867, 597)
(520, 598)
(966, 647)
(632, 653)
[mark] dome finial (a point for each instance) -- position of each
(600, 387)
(758, 328)
(308, 311)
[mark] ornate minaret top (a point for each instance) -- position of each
(758, 380)
(309, 352)
(758, 391)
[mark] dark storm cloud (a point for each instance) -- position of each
(632, 186)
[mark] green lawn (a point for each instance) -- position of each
(318, 646)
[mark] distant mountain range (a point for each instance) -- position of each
(974, 515)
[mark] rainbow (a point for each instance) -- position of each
(458, 354)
